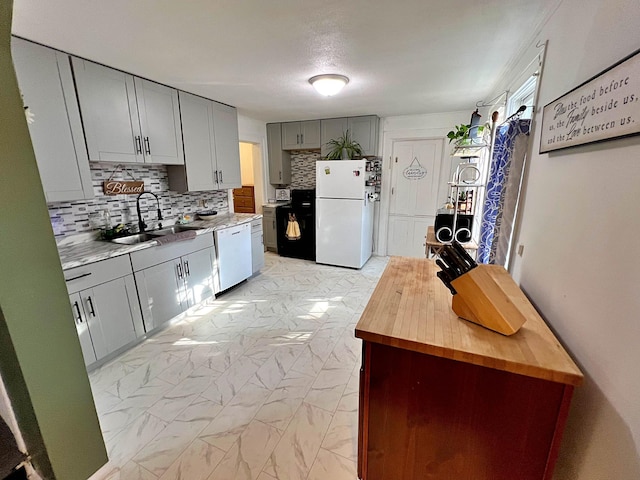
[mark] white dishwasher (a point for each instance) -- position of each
(233, 248)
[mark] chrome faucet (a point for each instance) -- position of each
(141, 225)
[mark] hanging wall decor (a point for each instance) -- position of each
(605, 107)
(122, 187)
(414, 171)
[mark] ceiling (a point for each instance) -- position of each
(402, 57)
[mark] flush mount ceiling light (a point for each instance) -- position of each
(328, 84)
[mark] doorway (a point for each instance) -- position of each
(248, 199)
(413, 201)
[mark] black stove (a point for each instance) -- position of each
(303, 211)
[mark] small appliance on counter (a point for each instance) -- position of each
(344, 213)
(283, 194)
(296, 228)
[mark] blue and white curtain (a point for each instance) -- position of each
(503, 190)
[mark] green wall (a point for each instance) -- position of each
(40, 357)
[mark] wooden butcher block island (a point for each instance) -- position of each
(443, 398)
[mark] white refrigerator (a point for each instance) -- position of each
(344, 213)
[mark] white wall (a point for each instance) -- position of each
(580, 227)
(255, 131)
(412, 127)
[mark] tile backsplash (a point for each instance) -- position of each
(303, 168)
(70, 218)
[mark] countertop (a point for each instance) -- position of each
(82, 249)
(411, 309)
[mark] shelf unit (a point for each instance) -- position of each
(374, 173)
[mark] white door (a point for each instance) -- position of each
(340, 179)
(160, 123)
(413, 201)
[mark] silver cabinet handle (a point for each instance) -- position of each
(280, 175)
(301, 138)
(217, 176)
(274, 224)
(221, 179)
(92, 311)
(138, 144)
(76, 278)
(77, 307)
(147, 146)
(297, 138)
(186, 268)
(179, 267)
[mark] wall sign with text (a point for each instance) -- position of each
(120, 187)
(604, 107)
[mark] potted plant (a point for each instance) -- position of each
(343, 147)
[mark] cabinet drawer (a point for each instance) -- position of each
(256, 226)
(246, 202)
(155, 255)
(243, 192)
(93, 274)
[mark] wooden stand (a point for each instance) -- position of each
(488, 296)
(444, 399)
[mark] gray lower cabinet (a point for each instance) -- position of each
(269, 228)
(173, 277)
(105, 307)
(279, 159)
(363, 130)
(257, 246)
(46, 83)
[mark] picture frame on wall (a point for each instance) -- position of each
(605, 107)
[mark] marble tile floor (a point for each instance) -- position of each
(260, 383)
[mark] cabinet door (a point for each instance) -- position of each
(330, 129)
(46, 83)
(161, 291)
(279, 160)
(364, 130)
(269, 231)
(257, 251)
(109, 316)
(291, 136)
(199, 149)
(199, 268)
(82, 327)
(310, 134)
(109, 112)
(225, 127)
(159, 122)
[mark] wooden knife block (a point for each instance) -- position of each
(488, 296)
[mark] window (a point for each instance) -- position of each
(523, 96)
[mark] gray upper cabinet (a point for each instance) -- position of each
(331, 128)
(211, 146)
(301, 135)
(46, 83)
(225, 128)
(127, 119)
(363, 130)
(159, 112)
(279, 159)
